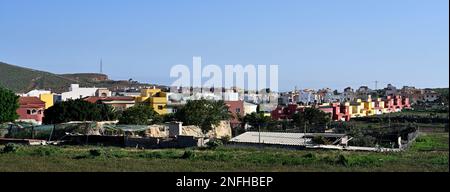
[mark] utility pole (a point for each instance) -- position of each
(259, 133)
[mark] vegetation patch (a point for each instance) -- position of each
(10, 148)
(436, 142)
(223, 158)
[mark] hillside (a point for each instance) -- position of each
(87, 77)
(22, 80)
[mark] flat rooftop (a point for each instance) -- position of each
(296, 139)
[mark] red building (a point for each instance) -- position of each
(31, 109)
(396, 103)
(284, 112)
(340, 112)
(235, 107)
(405, 102)
(389, 104)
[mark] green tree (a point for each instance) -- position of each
(256, 120)
(140, 114)
(9, 103)
(78, 110)
(311, 120)
(203, 113)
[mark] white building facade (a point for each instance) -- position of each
(77, 92)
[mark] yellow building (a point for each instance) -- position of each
(47, 98)
(358, 109)
(156, 98)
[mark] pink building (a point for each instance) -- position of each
(236, 108)
(31, 109)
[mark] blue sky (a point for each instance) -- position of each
(320, 43)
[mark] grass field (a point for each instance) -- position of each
(429, 153)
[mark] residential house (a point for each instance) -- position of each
(285, 112)
(230, 96)
(77, 92)
(237, 110)
(103, 92)
(119, 103)
(414, 95)
(430, 95)
(363, 92)
(155, 98)
(250, 108)
(31, 109)
(44, 95)
(391, 90)
(307, 97)
(348, 94)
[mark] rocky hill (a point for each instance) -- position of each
(21, 80)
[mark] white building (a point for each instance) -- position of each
(230, 96)
(205, 95)
(35, 93)
(307, 96)
(391, 90)
(77, 92)
(250, 108)
(430, 95)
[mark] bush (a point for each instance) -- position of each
(96, 152)
(46, 151)
(165, 154)
(188, 154)
(342, 160)
(363, 141)
(212, 144)
(310, 156)
(10, 148)
(225, 139)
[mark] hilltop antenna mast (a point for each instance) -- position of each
(101, 66)
(376, 84)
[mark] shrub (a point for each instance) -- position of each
(10, 148)
(45, 151)
(212, 144)
(310, 156)
(364, 141)
(165, 154)
(188, 154)
(96, 152)
(342, 160)
(225, 139)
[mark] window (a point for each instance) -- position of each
(238, 110)
(160, 107)
(33, 111)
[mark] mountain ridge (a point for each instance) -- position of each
(22, 79)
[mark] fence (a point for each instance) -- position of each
(59, 131)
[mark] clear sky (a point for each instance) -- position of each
(316, 43)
